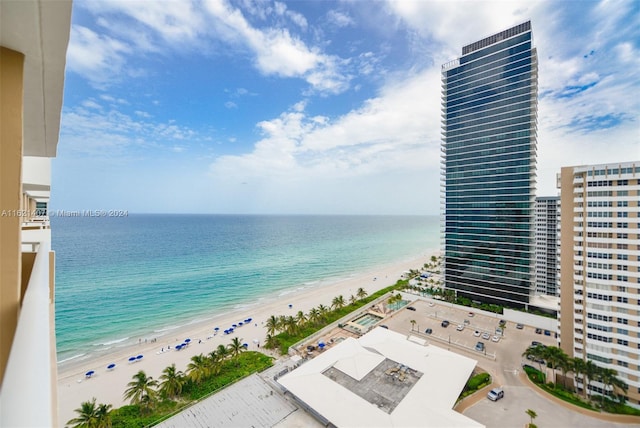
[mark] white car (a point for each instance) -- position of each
(476, 333)
(460, 327)
(495, 338)
(495, 394)
(486, 336)
(431, 304)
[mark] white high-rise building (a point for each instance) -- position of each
(599, 317)
(547, 213)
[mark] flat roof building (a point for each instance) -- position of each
(599, 313)
(547, 214)
(489, 144)
(383, 379)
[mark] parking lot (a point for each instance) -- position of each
(503, 359)
(466, 328)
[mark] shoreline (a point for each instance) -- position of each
(108, 385)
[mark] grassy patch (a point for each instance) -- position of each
(231, 371)
(286, 340)
(476, 383)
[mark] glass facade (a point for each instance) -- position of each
(489, 122)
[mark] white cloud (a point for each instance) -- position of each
(339, 19)
(98, 58)
(278, 52)
(393, 141)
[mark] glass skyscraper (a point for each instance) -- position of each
(489, 108)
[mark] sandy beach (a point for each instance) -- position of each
(108, 385)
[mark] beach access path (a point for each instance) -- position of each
(108, 386)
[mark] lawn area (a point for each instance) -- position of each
(597, 404)
(231, 371)
(285, 340)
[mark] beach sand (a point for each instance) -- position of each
(108, 386)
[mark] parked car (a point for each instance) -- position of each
(445, 323)
(486, 336)
(502, 323)
(411, 308)
(460, 327)
(536, 343)
(538, 331)
(431, 304)
(384, 326)
(519, 326)
(495, 394)
(428, 331)
(471, 314)
(547, 333)
(495, 339)
(480, 346)
(476, 333)
(466, 322)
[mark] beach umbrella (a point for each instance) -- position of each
(131, 359)
(320, 345)
(246, 345)
(178, 347)
(187, 340)
(139, 357)
(290, 306)
(90, 373)
(256, 340)
(234, 325)
(217, 328)
(111, 366)
(240, 323)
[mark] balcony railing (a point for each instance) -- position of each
(28, 394)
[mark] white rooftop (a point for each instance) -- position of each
(428, 403)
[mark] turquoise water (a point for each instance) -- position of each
(367, 320)
(118, 279)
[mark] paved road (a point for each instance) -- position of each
(503, 360)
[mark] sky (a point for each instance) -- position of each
(318, 106)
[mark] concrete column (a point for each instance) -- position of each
(11, 111)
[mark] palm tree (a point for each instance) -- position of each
(271, 342)
(314, 316)
(609, 378)
(91, 415)
(273, 324)
(352, 300)
(140, 387)
(198, 368)
(537, 353)
(301, 319)
(104, 416)
(172, 381)
(532, 414)
(590, 373)
(413, 324)
(236, 348)
(338, 302)
(290, 324)
(222, 352)
(555, 356)
(361, 293)
(579, 368)
(565, 365)
(323, 311)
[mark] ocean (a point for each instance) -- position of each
(122, 278)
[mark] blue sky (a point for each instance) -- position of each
(316, 107)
